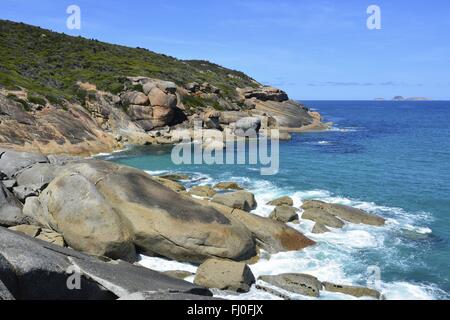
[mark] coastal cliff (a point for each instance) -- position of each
(62, 94)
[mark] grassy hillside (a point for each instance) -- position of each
(49, 64)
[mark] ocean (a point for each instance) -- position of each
(388, 158)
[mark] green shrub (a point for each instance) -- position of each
(25, 105)
(37, 100)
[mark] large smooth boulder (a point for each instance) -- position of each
(171, 184)
(242, 200)
(160, 98)
(10, 208)
(323, 218)
(283, 201)
(248, 126)
(225, 275)
(358, 292)
(134, 97)
(320, 229)
(35, 270)
(137, 112)
(162, 116)
(39, 175)
(346, 213)
(74, 207)
(295, 282)
(228, 117)
(12, 162)
(284, 214)
(272, 236)
(98, 206)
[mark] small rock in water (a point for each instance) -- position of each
(202, 191)
(295, 282)
(225, 275)
(352, 290)
(228, 186)
(175, 177)
(323, 218)
(284, 214)
(320, 228)
(242, 200)
(282, 201)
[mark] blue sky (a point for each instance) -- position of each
(313, 49)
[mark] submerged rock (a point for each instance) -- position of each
(295, 282)
(346, 213)
(225, 275)
(242, 200)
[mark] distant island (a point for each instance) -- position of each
(401, 98)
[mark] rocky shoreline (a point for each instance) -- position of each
(67, 213)
(145, 111)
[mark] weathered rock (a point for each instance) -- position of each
(73, 207)
(202, 191)
(320, 228)
(137, 112)
(284, 214)
(242, 200)
(134, 97)
(23, 192)
(9, 184)
(42, 270)
(228, 117)
(228, 186)
(11, 162)
(272, 291)
(162, 116)
(264, 94)
(272, 236)
(322, 217)
(179, 274)
(346, 213)
(295, 282)
(225, 275)
(352, 290)
(247, 126)
(211, 119)
(287, 201)
(39, 175)
(162, 99)
(175, 177)
(173, 185)
(10, 208)
(165, 86)
(43, 234)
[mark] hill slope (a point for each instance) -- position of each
(50, 63)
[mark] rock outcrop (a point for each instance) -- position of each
(242, 200)
(287, 201)
(225, 275)
(349, 214)
(358, 292)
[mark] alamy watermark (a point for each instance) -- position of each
(230, 147)
(374, 20)
(73, 22)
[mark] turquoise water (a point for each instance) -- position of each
(389, 158)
